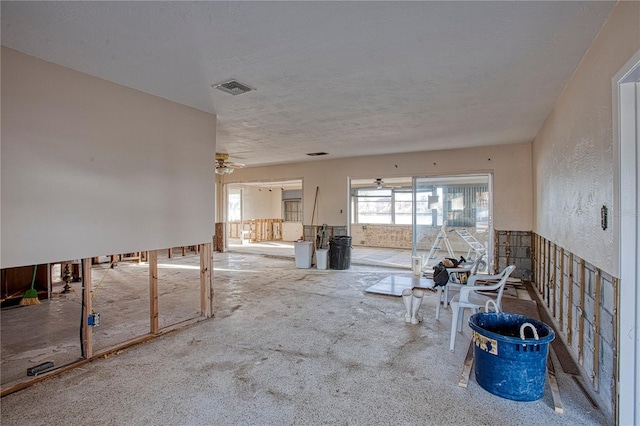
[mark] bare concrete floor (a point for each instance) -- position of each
(289, 346)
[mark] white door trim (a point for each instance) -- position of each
(626, 111)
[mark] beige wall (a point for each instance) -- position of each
(263, 204)
(92, 168)
(573, 152)
(510, 165)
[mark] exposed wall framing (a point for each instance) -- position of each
(513, 248)
(257, 229)
(87, 347)
(582, 301)
(311, 232)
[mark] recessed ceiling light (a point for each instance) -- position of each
(315, 154)
(233, 87)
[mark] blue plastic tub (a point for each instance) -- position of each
(505, 364)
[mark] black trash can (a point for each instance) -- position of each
(510, 354)
(340, 252)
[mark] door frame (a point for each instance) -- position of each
(625, 124)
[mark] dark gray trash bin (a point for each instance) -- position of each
(340, 252)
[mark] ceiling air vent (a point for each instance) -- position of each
(233, 87)
(315, 154)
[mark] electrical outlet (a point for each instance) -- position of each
(94, 320)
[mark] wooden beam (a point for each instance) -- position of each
(596, 331)
(507, 248)
(547, 274)
(553, 384)
(561, 316)
(538, 256)
(616, 339)
(570, 300)
(466, 370)
(206, 288)
(100, 354)
(153, 292)
(539, 281)
(581, 316)
(553, 281)
(86, 331)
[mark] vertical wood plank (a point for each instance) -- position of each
(547, 273)
(534, 254)
(153, 292)
(596, 331)
(538, 255)
(87, 309)
(561, 314)
(539, 272)
(554, 279)
(507, 247)
(570, 300)
(206, 293)
(496, 249)
(616, 339)
(581, 316)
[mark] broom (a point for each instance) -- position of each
(31, 296)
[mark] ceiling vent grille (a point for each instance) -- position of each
(233, 87)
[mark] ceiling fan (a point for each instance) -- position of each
(379, 183)
(223, 166)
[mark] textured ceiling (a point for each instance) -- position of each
(348, 78)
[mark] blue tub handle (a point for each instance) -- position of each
(529, 325)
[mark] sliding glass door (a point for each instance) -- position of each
(452, 218)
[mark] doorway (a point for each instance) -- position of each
(266, 213)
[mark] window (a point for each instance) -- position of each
(402, 207)
(429, 206)
(293, 210)
(383, 206)
(235, 207)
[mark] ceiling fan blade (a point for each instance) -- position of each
(235, 165)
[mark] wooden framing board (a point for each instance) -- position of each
(153, 292)
(548, 275)
(541, 245)
(581, 316)
(206, 290)
(596, 331)
(570, 300)
(86, 331)
(466, 370)
(553, 384)
(507, 247)
(561, 316)
(554, 280)
(616, 338)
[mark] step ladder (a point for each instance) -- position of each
(441, 240)
(474, 245)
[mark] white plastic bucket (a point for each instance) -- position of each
(321, 258)
(303, 252)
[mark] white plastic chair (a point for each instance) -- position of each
(454, 285)
(472, 296)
